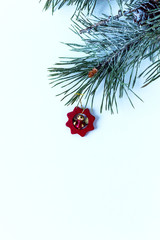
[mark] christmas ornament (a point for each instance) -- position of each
(80, 121)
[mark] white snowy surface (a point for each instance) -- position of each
(58, 186)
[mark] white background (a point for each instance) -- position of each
(58, 186)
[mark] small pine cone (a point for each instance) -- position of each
(92, 72)
(141, 13)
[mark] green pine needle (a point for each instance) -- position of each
(88, 5)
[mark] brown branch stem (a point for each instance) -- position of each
(105, 21)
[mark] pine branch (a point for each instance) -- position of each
(107, 55)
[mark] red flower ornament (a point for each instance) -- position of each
(80, 121)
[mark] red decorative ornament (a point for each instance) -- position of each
(80, 121)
